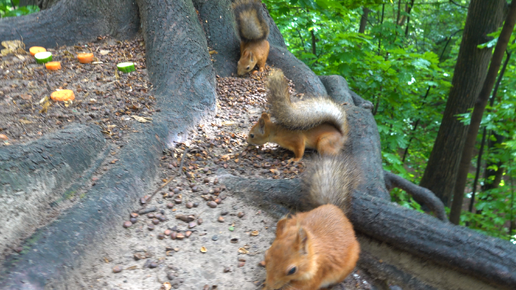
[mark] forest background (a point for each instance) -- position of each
(401, 56)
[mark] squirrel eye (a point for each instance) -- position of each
(251, 135)
(292, 271)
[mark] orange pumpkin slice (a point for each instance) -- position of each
(53, 65)
(63, 95)
(35, 49)
(85, 57)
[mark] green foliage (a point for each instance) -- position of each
(10, 8)
(405, 69)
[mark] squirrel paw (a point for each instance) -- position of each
(293, 161)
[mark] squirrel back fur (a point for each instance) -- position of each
(251, 24)
(331, 180)
(305, 114)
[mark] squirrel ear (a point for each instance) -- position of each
(265, 116)
(281, 226)
(261, 126)
(302, 241)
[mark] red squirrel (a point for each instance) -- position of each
(253, 31)
(318, 248)
(317, 123)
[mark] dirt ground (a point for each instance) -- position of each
(188, 232)
(103, 95)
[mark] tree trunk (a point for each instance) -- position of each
(69, 22)
(440, 174)
(363, 19)
(478, 112)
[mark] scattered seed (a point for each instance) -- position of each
(127, 224)
(240, 214)
(189, 204)
(188, 234)
(170, 205)
(139, 256)
(180, 236)
(117, 269)
(212, 204)
(150, 227)
(161, 236)
(204, 250)
(220, 219)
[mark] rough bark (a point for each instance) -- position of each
(420, 194)
(489, 259)
(440, 174)
(363, 19)
(478, 112)
(185, 90)
(44, 172)
(69, 22)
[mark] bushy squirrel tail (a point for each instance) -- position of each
(331, 180)
(251, 24)
(305, 114)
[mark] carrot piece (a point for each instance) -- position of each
(63, 95)
(35, 49)
(85, 57)
(53, 65)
